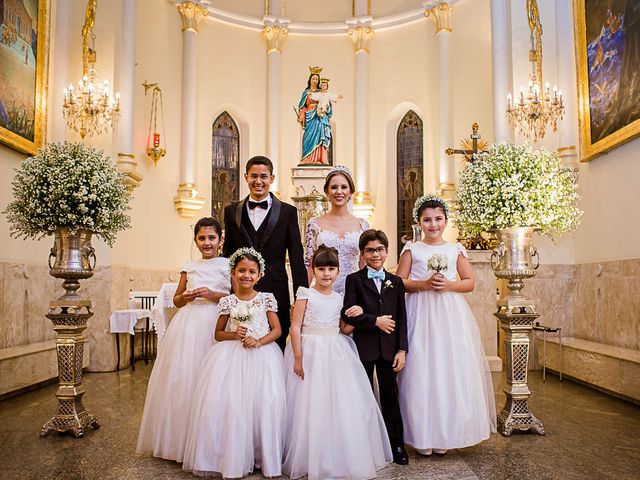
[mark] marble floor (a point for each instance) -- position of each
(589, 436)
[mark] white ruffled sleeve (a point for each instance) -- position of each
(224, 306)
(461, 250)
(186, 267)
(302, 293)
(310, 238)
(407, 248)
(270, 304)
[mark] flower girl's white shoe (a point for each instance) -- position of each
(424, 451)
(440, 451)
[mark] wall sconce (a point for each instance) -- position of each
(156, 146)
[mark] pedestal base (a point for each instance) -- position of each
(515, 415)
(71, 417)
(187, 202)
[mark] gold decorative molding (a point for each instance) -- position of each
(187, 202)
(275, 36)
(440, 13)
(126, 164)
(360, 36)
(191, 14)
(569, 157)
(446, 190)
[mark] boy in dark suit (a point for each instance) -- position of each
(381, 331)
(271, 227)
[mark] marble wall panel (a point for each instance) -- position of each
(482, 302)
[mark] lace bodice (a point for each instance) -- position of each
(421, 253)
(347, 246)
(212, 273)
(322, 310)
(262, 303)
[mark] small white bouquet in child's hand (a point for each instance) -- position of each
(241, 316)
(438, 263)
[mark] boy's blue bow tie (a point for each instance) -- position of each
(373, 275)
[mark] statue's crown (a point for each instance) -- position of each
(315, 70)
(324, 79)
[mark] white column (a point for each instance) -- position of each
(360, 31)
(187, 202)
(440, 13)
(126, 86)
(502, 67)
(275, 32)
(568, 127)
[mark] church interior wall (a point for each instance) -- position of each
(588, 283)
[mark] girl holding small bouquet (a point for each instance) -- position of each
(203, 282)
(446, 395)
(237, 417)
(334, 428)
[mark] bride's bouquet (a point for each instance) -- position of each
(438, 263)
(241, 315)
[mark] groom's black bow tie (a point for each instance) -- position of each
(263, 204)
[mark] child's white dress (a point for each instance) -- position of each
(334, 428)
(163, 428)
(237, 414)
(446, 394)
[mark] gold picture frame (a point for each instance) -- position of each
(608, 119)
(23, 87)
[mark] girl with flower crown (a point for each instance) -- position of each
(203, 282)
(446, 395)
(337, 228)
(237, 418)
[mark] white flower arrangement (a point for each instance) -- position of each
(438, 263)
(388, 284)
(515, 186)
(241, 315)
(68, 185)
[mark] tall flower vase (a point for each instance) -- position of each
(513, 260)
(73, 253)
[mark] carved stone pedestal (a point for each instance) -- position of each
(69, 320)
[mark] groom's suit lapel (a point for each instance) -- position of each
(272, 220)
(239, 209)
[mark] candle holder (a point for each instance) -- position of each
(156, 148)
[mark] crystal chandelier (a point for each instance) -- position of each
(90, 110)
(535, 108)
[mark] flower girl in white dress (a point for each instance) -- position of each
(446, 395)
(237, 414)
(163, 429)
(334, 428)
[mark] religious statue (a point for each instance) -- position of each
(314, 115)
(535, 55)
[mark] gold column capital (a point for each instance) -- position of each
(187, 202)
(363, 205)
(446, 190)
(191, 14)
(360, 35)
(440, 13)
(275, 35)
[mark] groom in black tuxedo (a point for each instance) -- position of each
(270, 226)
(381, 331)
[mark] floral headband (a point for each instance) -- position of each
(429, 198)
(241, 252)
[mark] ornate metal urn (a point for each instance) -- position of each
(73, 253)
(513, 260)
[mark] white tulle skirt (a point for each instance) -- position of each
(237, 415)
(163, 428)
(334, 428)
(446, 394)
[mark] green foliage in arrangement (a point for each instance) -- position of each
(515, 186)
(68, 185)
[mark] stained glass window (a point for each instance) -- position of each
(409, 159)
(225, 164)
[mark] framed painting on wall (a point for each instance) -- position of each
(24, 57)
(608, 54)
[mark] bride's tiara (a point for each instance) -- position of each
(341, 169)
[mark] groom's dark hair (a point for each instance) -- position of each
(259, 160)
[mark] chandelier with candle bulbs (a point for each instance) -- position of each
(536, 108)
(90, 110)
